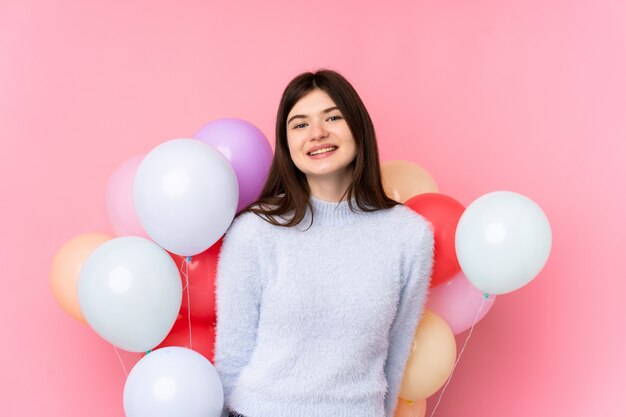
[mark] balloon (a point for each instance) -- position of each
(66, 267)
(431, 359)
(186, 195)
(202, 337)
(247, 150)
(403, 180)
(120, 206)
(443, 213)
(408, 408)
(201, 272)
(458, 302)
(173, 381)
(130, 293)
(503, 240)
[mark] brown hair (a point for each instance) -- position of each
(286, 189)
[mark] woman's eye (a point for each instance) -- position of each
(333, 118)
(299, 126)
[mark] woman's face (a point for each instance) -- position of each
(319, 139)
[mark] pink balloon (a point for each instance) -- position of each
(120, 205)
(457, 301)
(247, 150)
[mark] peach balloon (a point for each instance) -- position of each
(66, 267)
(431, 359)
(403, 180)
(409, 408)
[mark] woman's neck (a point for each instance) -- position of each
(329, 188)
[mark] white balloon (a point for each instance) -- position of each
(503, 240)
(130, 293)
(186, 195)
(173, 382)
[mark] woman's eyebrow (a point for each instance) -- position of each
(302, 116)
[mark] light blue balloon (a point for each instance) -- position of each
(503, 241)
(173, 382)
(130, 292)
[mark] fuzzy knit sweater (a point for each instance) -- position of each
(319, 321)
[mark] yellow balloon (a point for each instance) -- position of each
(403, 180)
(431, 360)
(410, 408)
(66, 267)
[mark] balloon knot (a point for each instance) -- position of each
(486, 295)
(188, 258)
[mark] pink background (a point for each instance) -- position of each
(528, 96)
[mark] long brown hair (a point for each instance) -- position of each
(286, 189)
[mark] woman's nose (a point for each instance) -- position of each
(318, 131)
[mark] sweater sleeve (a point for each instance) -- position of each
(238, 293)
(416, 275)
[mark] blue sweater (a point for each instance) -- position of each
(320, 322)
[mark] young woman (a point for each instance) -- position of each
(320, 283)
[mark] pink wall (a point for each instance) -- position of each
(528, 96)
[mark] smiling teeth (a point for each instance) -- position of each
(332, 148)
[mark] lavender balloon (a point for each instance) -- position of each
(173, 381)
(186, 195)
(247, 150)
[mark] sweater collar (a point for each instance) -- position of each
(333, 212)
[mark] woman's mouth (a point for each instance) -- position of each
(322, 152)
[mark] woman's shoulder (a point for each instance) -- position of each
(410, 225)
(404, 215)
(248, 223)
(244, 235)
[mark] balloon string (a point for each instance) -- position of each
(121, 361)
(416, 411)
(186, 275)
(485, 296)
(182, 271)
